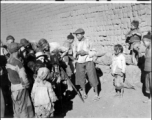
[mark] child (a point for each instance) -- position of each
(43, 95)
(147, 66)
(133, 38)
(118, 68)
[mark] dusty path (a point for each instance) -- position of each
(130, 106)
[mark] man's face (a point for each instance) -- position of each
(46, 48)
(23, 52)
(41, 59)
(79, 36)
(10, 41)
(146, 42)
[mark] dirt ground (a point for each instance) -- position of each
(130, 106)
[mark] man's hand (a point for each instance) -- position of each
(27, 85)
(122, 74)
(82, 53)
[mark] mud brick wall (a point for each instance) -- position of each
(105, 25)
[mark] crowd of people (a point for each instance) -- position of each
(35, 75)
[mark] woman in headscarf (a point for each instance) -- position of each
(43, 95)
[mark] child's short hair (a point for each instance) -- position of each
(148, 35)
(135, 23)
(10, 37)
(118, 47)
(70, 36)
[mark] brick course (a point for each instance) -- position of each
(105, 24)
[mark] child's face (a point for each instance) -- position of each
(71, 40)
(117, 52)
(146, 42)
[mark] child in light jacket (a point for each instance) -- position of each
(118, 69)
(43, 95)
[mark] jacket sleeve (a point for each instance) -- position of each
(74, 49)
(22, 74)
(51, 92)
(123, 62)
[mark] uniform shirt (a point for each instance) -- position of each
(85, 45)
(16, 73)
(118, 62)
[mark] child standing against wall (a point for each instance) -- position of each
(133, 37)
(147, 66)
(118, 69)
(43, 95)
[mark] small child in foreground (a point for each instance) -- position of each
(43, 96)
(118, 69)
(147, 66)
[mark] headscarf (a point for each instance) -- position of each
(42, 74)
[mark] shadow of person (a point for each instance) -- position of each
(61, 107)
(65, 103)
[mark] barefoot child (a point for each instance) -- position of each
(147, 66)
(43, 95)
(118, 68)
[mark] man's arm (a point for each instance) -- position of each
(123, 60)
(128, 34)
(137, 32)
(22, 75)
(74, 49)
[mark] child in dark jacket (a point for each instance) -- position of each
(133, 37)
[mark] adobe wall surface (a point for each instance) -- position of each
(105, 24)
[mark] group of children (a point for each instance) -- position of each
(134, 38)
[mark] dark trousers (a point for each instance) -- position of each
(82, 69)
(148, 83)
